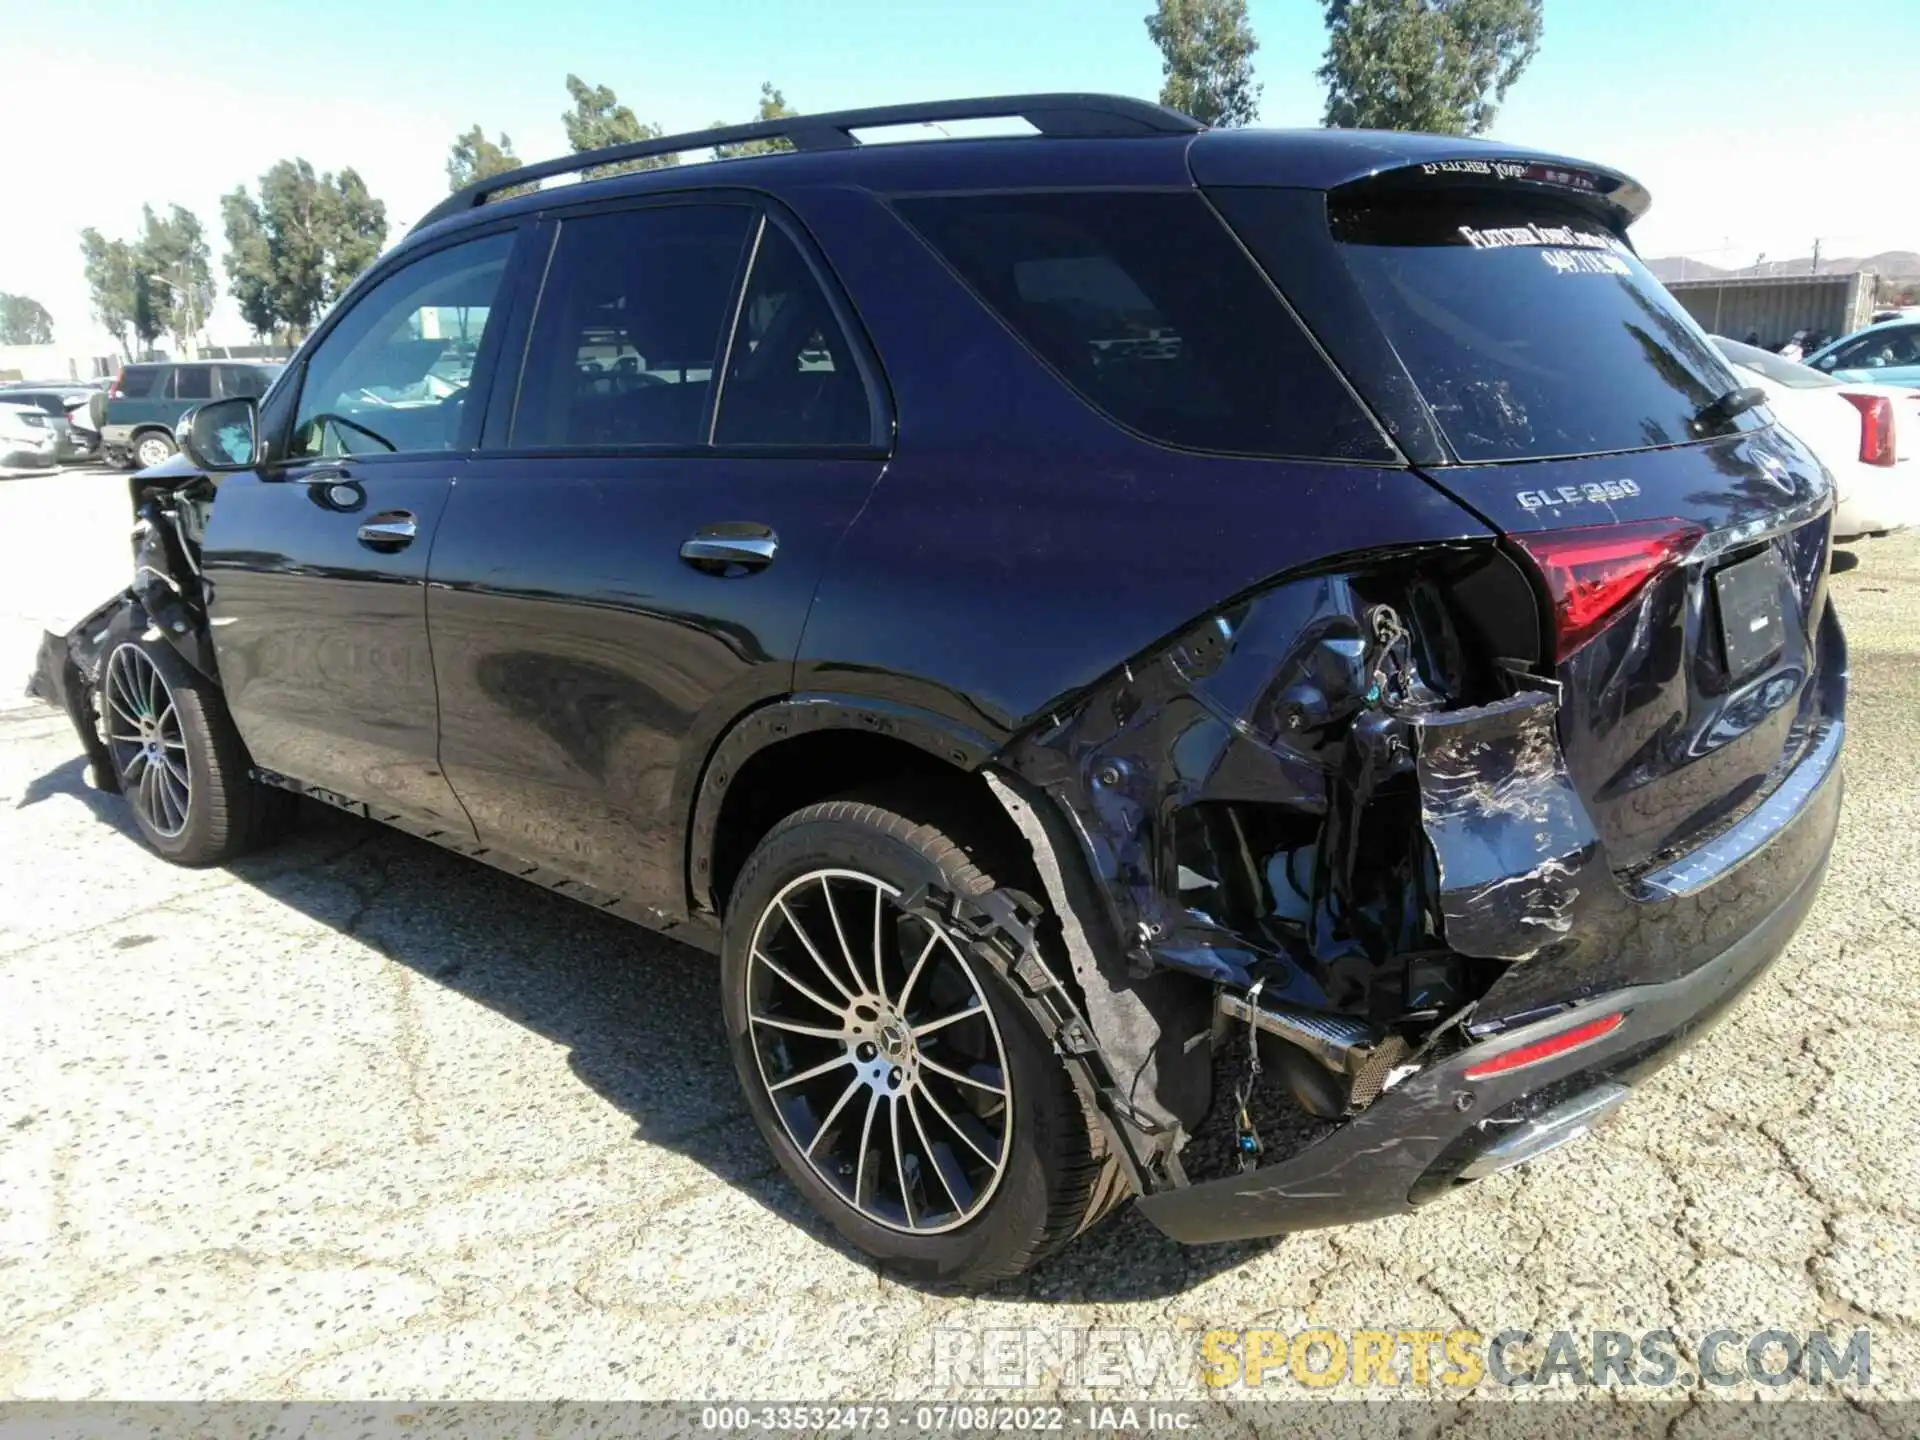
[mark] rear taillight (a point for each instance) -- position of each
(114, 389)
(1594, 571)
(1876, 427)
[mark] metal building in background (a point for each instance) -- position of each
(1775, 306)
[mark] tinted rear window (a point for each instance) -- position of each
(1531, 330)
(137, 381)
(1146, 305)
(1776, 368)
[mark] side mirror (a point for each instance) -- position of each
(222, 434)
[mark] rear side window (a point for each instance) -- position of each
(136, 381)
(1531, 330)
(243, 380)
(1144, 303)
(629, 328)
(791, 375)
(193, 382)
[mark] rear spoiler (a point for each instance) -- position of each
(1611, 197)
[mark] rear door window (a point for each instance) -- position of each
(237, 380)
(1147, 307)
(192, 382)
(627, 336)
(1531, 329)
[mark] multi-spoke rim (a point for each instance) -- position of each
(143, 733)
(879, 1051)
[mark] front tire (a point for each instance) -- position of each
(179, 761)
(902, 1085)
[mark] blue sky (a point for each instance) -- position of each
(1757, 124)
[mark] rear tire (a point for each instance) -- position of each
(179, 761)
(152, 448)
(977, 1188)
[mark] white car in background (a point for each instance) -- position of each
(1866, 435)
(27, 436)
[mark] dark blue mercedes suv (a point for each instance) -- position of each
(1273, 673)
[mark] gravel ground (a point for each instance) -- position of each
(359, 1119)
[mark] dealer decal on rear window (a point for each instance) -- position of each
(1571, 252)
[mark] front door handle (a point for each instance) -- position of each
(389, 530)
(734, 547)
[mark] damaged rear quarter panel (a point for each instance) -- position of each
(1514, 846)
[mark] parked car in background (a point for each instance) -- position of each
(76, 438)
(27, 436)
(1885, 354)
(1065, 618)
(145, 402)
(1866, 435)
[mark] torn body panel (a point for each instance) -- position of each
(1247, 796)
(1345, 807)
(166, 595)
(1514, 847)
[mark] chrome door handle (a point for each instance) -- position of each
(734, 548)
(392, 530)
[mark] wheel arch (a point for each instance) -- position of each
(802, 748)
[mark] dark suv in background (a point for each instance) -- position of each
(145, 402)
(1272, 672)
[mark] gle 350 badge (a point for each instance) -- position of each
(1595, 492)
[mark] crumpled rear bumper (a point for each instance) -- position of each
(1411, 1144)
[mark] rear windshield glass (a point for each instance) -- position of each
(1145, 304)
(1776, 368)
(136, 381)
(1531, 330)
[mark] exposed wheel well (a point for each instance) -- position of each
(828, 764)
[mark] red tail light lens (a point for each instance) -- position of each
(1548, 1048)
(1592, 572)
(114, 389)
(1876, 427)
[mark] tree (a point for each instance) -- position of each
(249, 262)
(598, 120)
(173, 257)
(474, 157)
(24, 321)
(109, 268)
(773, 106)
(1439, 65)
(295, 250)
(1206, 49)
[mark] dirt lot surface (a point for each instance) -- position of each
(360, 1119)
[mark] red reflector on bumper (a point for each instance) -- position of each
(1548, 1048)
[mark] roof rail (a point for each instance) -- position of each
(1055, 115)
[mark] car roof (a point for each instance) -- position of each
(1166, 156)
